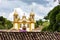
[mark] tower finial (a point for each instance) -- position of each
(15, 13)
(32, 13)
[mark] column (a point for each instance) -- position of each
(15, 25)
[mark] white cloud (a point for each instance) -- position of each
(10, 17)
(34, 4)
(52, 3)
(3, 14)
(0, 1)
(48, 0)
(37, 17)
(39, 10)
(20, 12)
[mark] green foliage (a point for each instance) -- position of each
(46, 23)
(4, 23)
(54, 18)
(39, 22)
(58, 18)
(36, 24)
(46, 18)
(44, 29)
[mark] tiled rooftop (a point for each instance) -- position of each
(29, 36)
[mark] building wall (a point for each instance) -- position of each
(15, 25)
(29, 26)
(32, 26)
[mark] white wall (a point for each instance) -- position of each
(32, 25)
(27, 29)
(16, 26)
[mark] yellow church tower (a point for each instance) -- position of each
(32, 21)
(16, 19)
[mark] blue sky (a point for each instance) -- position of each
(40, 7)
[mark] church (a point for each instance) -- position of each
(24, 23)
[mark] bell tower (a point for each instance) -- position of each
(32, 21)
(15, 23)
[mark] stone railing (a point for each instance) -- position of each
(29, 36)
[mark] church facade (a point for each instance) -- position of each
(24, 23)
